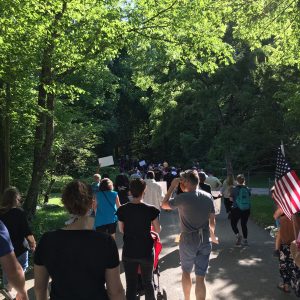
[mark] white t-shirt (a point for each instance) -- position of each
(154, 194)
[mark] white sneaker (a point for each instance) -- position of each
(238, 240)
(6, 294)
(245, 242)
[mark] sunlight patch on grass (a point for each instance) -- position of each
(55, 199)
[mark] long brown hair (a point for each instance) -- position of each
(9, 199)
(230, 179)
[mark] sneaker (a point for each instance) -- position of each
(238, 240)
(6, 294)
(245, 242)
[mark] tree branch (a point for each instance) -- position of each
(160, 13)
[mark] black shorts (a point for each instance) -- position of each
(108, 228)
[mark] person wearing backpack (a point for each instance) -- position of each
(240, 210)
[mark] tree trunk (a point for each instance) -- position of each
(4, 136)
(44, 133)
(227, 148)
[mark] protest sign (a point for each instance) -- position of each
(142, 163)
(106, 161)
(163, 185)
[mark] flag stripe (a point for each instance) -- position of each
(278, 196)
(293, 190)
(284, 202)
(287, 186)
(288, 194)
(296, 182)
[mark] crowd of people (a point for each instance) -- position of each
(82, 258)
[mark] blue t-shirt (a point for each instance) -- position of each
(106, 208)
(5, 242)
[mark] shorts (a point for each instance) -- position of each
(193, 252)
(108, 228)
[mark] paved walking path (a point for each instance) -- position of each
(235, 273)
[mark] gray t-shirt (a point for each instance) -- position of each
(194, 210)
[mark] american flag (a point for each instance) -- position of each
(287, 187)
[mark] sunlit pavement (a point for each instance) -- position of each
(234, 273)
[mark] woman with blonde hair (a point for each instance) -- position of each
(228, 184)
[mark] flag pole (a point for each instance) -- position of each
(282, 148)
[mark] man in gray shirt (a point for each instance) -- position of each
(197, 221)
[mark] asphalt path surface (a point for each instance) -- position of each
(235, 273)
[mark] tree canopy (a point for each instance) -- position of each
(210, 81)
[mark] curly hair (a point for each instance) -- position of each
(77, 197)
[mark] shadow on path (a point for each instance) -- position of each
(244, 272)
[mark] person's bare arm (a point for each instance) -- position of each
(114, 285)
(15, 274)
(118, 201)
(31, 242)
(165, 203)
(212, 227)
(156, 225)
(278, 212)
(121, 226)
(41, 281)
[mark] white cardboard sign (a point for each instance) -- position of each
(163, 185)
(106, 161)
(142, 163)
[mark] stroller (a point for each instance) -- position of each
(161, 294)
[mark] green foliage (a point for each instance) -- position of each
(60, 183)
(262, 209)
(47, 219)
(172, 79)
(270, 25)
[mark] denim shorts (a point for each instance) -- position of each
(194, 252)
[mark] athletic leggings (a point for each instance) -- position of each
(228, 204)
(236, 215)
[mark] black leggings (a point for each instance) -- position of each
(236, 215)
(228, 204)
(131, 274)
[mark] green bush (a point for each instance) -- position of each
(60, 183)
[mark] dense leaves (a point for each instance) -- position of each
(209, 81)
